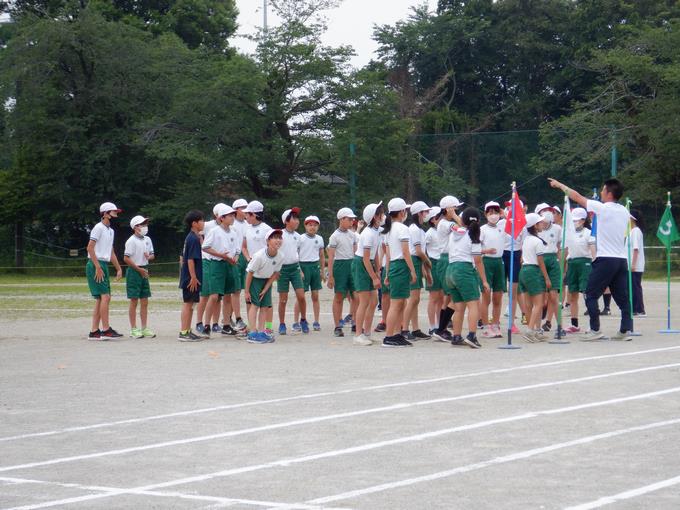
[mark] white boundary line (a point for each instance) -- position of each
(332, 393)
(633, 493)
(491, 462)
(327, 417)
(148, 489)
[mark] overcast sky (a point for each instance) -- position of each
(351, 23)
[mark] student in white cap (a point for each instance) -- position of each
(291, 274)
(418, 212)
(366, 269)
(240, 226)
(533, 277)
(433, 249)
(637, 252)
(552, 235)
(341, 249)
(493, 243)
(138, 253)
(580, 255)
(400, 271)
(100, 253)
(512, 252)
(312, 264)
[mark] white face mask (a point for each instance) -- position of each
(493, 218)
(143, 230)
(578, 225)
(547, 216)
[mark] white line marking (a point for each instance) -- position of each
(492, 462)
(640, 491)
(330, 393)
(327, 417)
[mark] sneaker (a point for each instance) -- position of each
(496, 330)
(525, 321)
(540, 335)
(316, 326)
(148, 333)
(408, 335)
(341, 323)
(396, 341)
(572, 330)
(529, 336)
(269, 333)
(419, 335)
(338, 331)
(239, 325)
(591, 336)
(110, 333)
(380, 328)
(480, 324)
(94, 335)
(640, 314)
(471, 340)
(216, 328)
(362, 340)
(304, 325)
(622, 337)
(136, 333)
(515, 330)
(268, 336)
(255, 337)
(487, 333)
(442, 336)
(296, 327)
(282, 329)
(606, 311)
(188, 337)
(354, 328)
(546, 326)
(347, 319)
(457, 340)
(228, 330)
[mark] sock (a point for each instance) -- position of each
(444, 318)
(268, 325)
(185, 332)
(607, 300)
(574, 322)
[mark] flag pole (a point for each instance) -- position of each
(668, 329)
(632, 332)
(560, 335)
(511, 318)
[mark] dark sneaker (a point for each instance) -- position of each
(606, 311)
(408, 335)
(457, 340)
(239, 325)
(354, 328)
(304, 325)
(472, 341)
(316, 326)
(395, 341)
(419, 335)
(188, 337)
(348, 319)
(216, 328)
(94, 335)
(110, 333)
(338, 332)
(546, 327)
(442, 335)
(228, 330)
(282, 329)
(380, 328)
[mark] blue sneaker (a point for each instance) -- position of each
(282, 329)
(305, 326)
(347, 320)
(255, 337)
(216, 328)
(267, 338)
(316, 326)
(296, 327)
(341, 323)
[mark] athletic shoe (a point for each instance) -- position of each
(591, 336)
(471, 340)
(296, 328)
(353, 329)
(110, 333)
(396, 341)
(362, 340)
(341, 323)
(148, 333)
(94, 335)
(496, 330)
(525, 321)
(640, 314)
(380, 328)
(304, 326)
(480, 324)
(457, 340)
(546, 326)
(316, 326)
(216, 328)
(622, 337)
(529, 336)
(348, 319)
(338, 332)
(419, 335)
(136, 333)
(255, 337)
(228, 330)
(282, 329)
(442, 335)
(487, 333)
(239, 325)
(540, 335)
(188, 337)
(572, 329)
(408, 335)
(268, 335)
(515, 330)
(606, 311)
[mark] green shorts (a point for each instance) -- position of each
(136, 286)
(206, 264)
(464, 282)
(215, 282)
(552, 266)
(255, 288)
(400, 279)
(230, 278)
(240, 273)
(361, 278)
(342, 274)
(418, 266)
(290, 275)
(97, 289)
(385, 289)
(531, 280)
(311, 276)
(495, 273)
(436, 280)
(577, 274)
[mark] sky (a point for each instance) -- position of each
(350, 23)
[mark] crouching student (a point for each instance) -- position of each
(138, 254)
(263, 270)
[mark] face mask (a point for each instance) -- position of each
(578, 225)
(493, 218)
(143, 230)
(547, 216)
(382, 221)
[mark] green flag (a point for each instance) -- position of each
(667, 232)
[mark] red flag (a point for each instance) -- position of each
(516, 213)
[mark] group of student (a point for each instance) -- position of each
(384, 260)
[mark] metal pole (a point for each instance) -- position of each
(511, 317)
(264, 15)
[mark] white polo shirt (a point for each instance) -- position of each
(309, 247)
(579, 247)
(290, 247)
(552, 236)
(433, 246)
(222, 241)
(239, 227)
(207, 227)
(492, 236)
(416, 238)
(264, 266)
(637, 243)
(369, 238)
(397, 234)
(343, 241)
(136, 247)
(612, 228)
(255, 237)
(532, 247)
(461, 247)
(103, 246)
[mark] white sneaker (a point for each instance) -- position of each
(496, 331)
(529, 336)
(487, 332)
(591, 336)
(622, 337)
(362, 340)
(540, 336)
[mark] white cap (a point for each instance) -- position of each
(396, 205)
(491, 204)
(287, 212)
(433, 212)
(312, 218)
(272, 232)
(345, 212)
(223, 209)
(137, 220)
(542, 206)
(579, 214)
(254, 207)
(369, 212)
(241, 202)
(557, 209)
(419, 206)
(217, 208)
(449, 201)
(108, 207)
(532, 219)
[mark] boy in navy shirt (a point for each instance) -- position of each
(191, 274)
